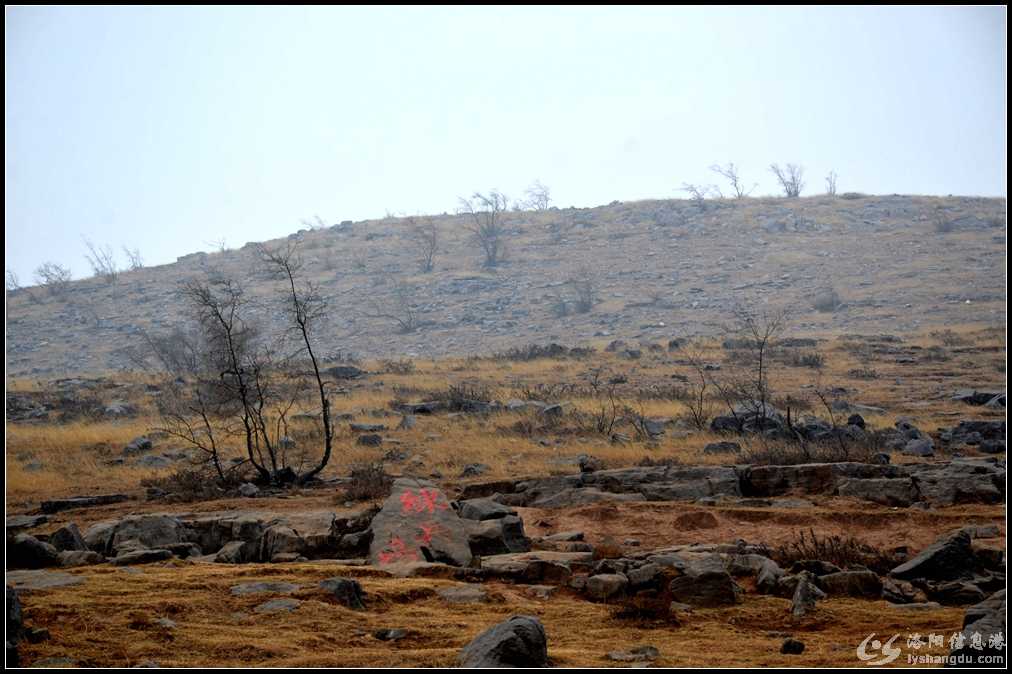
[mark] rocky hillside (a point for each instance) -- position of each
(657, 269)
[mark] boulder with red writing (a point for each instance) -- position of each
(417, 524)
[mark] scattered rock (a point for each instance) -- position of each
(606, 586)
(144, 556)
(27, 552)
(394, 634)
(854, 583)
(248, 490)
(637, 654)
(463, 594)
(792, 647)
(706, 583)
(945, 559)
(262, 587)
(520, 641)
(286, 605)
(56, 505)
(806, 593)
(67, 538)
(346, 591)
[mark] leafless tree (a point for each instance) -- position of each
(306, 309)
(698, 401)
(539, 197)
(749, 389)
(134, 258)
(11, 282)
(219, 245)
(425, 235)
(487, 213)
(315, 224)
(230, 381)
(400, 309)
(102, 261)
(831, 183)
(53, 277)
(698, 193)
(791, 179)
(584, 287)
(730, 173)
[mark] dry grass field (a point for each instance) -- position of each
(111, 617)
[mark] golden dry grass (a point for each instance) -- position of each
(111, 620)
(51, 459)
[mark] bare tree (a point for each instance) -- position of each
(584, 287)
(425, 235)
(487, 213)
(748, 391)
(400, 310)
(102, 261)
(315, 224)
(306, 308)
(53, 277)
(229, 381)
(539, 197)
(11, 283)
(219, 245)
(698, 193)
(730, 173)
(791, 179)
(134, 258)
(698, 402)
(831, 183)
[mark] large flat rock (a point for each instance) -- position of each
(417, 524)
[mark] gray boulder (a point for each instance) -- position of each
(67, 538)
(606, 586)
(705, 583)
(417, 524)
(806, 593)
(520, 641)
(27, 552)
(855, 583)
(983, 634)
(346, 591)
(947, 558)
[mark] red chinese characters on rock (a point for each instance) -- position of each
(425, 501)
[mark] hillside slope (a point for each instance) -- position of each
(659, 269)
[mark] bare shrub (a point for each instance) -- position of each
(539, 197)
(425, 235)
(791, 179)
(466, 397)
(400, 309)
(698, 194)
(487, 213)
(942, 222)
(187, 485)
(134, 259)
(102, 261)
(53, 277)
(530, 352)
(843, 551)
(585, 290)
(368, 482)
(730, 172)
(402, 366)
(831, 183)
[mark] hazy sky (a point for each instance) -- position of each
(167, 129)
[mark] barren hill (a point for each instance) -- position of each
(657, 270)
